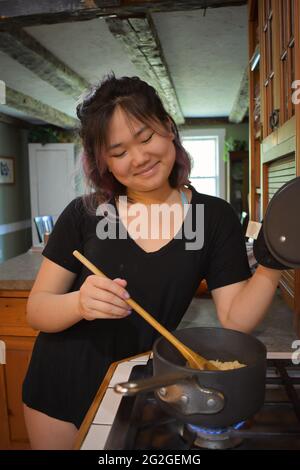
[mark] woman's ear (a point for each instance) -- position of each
(170, 127)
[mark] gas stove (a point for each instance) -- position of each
(141, 424)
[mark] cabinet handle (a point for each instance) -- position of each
(274, 119)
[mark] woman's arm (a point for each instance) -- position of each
(49, 307)
(242, 306)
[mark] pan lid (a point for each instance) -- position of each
(282, 224)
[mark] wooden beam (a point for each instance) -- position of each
(31, 13)
(140, 40)
(23, 48)
(207, 122)
(13, 121)
(38, 110)
(16, 8)
(241, 103)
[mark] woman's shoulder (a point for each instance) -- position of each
(217, 211)
(74, 208)
(211, 201)
(82, 206)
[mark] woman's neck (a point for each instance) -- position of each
(157, 196)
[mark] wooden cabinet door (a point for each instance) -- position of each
(18, 338)
(4, 427)
(18, 353)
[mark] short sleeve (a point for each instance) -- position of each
(66, 237)
(227, 255)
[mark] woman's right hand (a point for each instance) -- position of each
(103, 298)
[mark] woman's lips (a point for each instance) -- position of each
(148, 172)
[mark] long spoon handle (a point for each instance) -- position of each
(193, 359)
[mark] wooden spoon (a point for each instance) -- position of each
(194, 360)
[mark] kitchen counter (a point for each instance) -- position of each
(19, 273)
(276, 331)
(98, 421)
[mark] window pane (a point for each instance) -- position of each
(203, 154)
(205, 185)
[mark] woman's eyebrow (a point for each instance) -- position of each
(135, 135)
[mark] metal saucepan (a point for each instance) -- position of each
(210, 399)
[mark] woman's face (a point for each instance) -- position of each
(139, 158)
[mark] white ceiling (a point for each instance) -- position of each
(206, 57)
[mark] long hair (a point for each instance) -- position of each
(137, 99)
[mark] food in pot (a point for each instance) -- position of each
(227, 365)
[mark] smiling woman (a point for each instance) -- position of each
(132, 149)
(126, 131)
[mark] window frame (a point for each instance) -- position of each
(219, 134)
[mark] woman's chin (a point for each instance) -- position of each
(150, 185)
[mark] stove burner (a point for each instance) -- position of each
(219, 438)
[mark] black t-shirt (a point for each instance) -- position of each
(67, 367)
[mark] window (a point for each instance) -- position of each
(287, 57)
(268, 71)
(204, 164)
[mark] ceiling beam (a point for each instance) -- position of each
(23, 48)
(31, 13)
(241, 102)
(38, 110)
(191, 123)
(13, 121)
(140, 41)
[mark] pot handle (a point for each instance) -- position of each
(149, 384)
(187, 395)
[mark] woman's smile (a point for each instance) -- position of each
(149, 171)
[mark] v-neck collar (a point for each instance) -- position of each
(163, 248)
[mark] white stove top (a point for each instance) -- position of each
(102, 422)
(103, 419)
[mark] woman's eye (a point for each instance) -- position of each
(120, 154)
(143, 142)
(147, 140)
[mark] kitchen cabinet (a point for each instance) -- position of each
(274, 116)
(238, 177)
(18, 338)
(273, 68)
(255, 118)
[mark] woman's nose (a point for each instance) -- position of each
(139, 157)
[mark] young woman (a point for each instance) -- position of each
(131, 148)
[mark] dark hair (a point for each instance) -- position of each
(138, 99)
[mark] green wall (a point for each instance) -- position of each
(235, 131)
(15, 198)
(238, 132)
